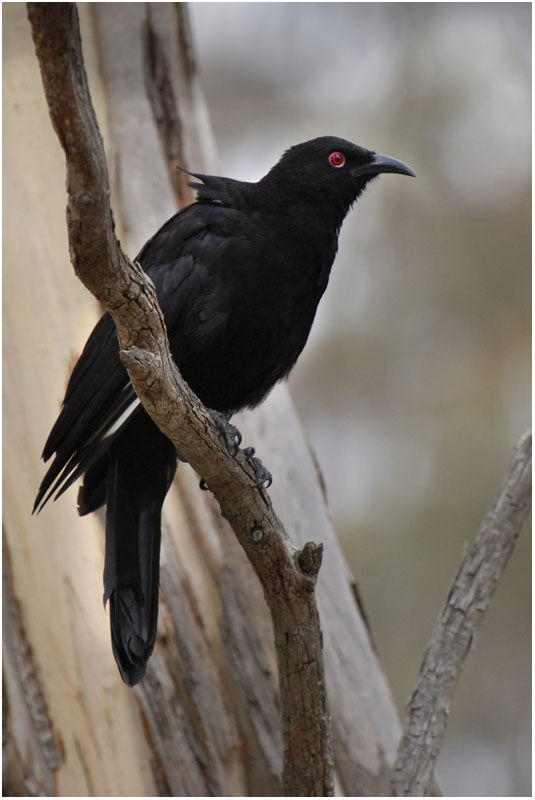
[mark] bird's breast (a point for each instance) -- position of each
(264, 323)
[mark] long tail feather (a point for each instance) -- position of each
(139, 474)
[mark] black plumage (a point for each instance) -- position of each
(239, 275)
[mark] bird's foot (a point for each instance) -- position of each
(233, 438)
(262, 475)
(229, 432)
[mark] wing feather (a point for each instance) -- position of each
(99, 399)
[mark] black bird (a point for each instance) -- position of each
(239, 275)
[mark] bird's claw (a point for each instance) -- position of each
(263, 477)
(229, 432)
(233, 438)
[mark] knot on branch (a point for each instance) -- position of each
(257, 534)
(141, 364)
(309, 558)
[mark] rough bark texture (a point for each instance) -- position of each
(287, 576)
(206, 718)
(456, 627)
(19, 665)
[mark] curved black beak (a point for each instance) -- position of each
(383, 164)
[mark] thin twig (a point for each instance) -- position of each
(288, 576)
(455, 629)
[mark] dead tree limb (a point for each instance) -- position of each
(288, 576)
(469, 597)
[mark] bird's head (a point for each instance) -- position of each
(334, 168)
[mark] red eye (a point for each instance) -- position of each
(337, 159)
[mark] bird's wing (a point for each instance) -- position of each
(99, 398)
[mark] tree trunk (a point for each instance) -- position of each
(205, 720)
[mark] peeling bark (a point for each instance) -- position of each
(215, 637)
(22, 679)
(130, 297)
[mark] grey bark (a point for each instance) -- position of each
(206, 720)
(288, 576)
(456, 627)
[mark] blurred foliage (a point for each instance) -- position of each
(415, 383)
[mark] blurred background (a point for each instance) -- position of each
(415, 384)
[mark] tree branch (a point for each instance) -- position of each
(288, 576)
(469, 597)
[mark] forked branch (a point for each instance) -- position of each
(287, 575)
